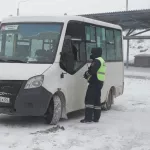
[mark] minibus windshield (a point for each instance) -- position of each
(29, 42)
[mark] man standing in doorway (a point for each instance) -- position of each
(95, 76)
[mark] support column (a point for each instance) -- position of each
(17, 11)
(128, 46)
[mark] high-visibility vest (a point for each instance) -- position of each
(102, 70)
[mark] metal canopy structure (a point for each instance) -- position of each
(129, 21)
(134, 19)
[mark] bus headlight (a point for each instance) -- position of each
(34, 82)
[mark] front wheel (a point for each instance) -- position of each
(54, 111)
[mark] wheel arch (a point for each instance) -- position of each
(113, 91)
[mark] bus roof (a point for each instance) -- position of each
(60, 19)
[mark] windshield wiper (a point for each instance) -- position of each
(15, 60)
(39, 62)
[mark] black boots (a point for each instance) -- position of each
(88, 121)
(85, 121)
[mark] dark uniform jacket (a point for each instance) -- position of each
(95, 65)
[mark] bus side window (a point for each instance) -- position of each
(110, 45)
(90, 32)
(101, 40)
(118, 45)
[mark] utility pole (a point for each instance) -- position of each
(127, 5)
(128, 41)
(18, 11)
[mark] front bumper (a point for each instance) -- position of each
(31, 102)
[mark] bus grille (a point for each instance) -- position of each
(9, 89)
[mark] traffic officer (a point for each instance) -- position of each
(95, 76)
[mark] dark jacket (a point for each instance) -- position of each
(95, 65)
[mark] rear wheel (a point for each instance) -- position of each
(54, 111)
(109, 101)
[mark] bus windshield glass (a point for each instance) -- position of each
(29, 42)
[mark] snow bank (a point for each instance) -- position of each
(137, 72)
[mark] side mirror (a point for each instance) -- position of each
(67, 61)
(67, 47)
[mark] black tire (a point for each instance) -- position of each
(107, 105)
(54, 111)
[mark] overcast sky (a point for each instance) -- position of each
(71, 7)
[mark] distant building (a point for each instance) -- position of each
(142, 60)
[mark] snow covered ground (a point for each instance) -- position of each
(137, 72)
(125, 127)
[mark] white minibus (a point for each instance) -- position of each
(43, 60)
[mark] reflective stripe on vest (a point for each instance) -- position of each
(101, 71)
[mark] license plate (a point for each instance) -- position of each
(4, 100)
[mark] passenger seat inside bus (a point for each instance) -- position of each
(22, 51)
(48, 54)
